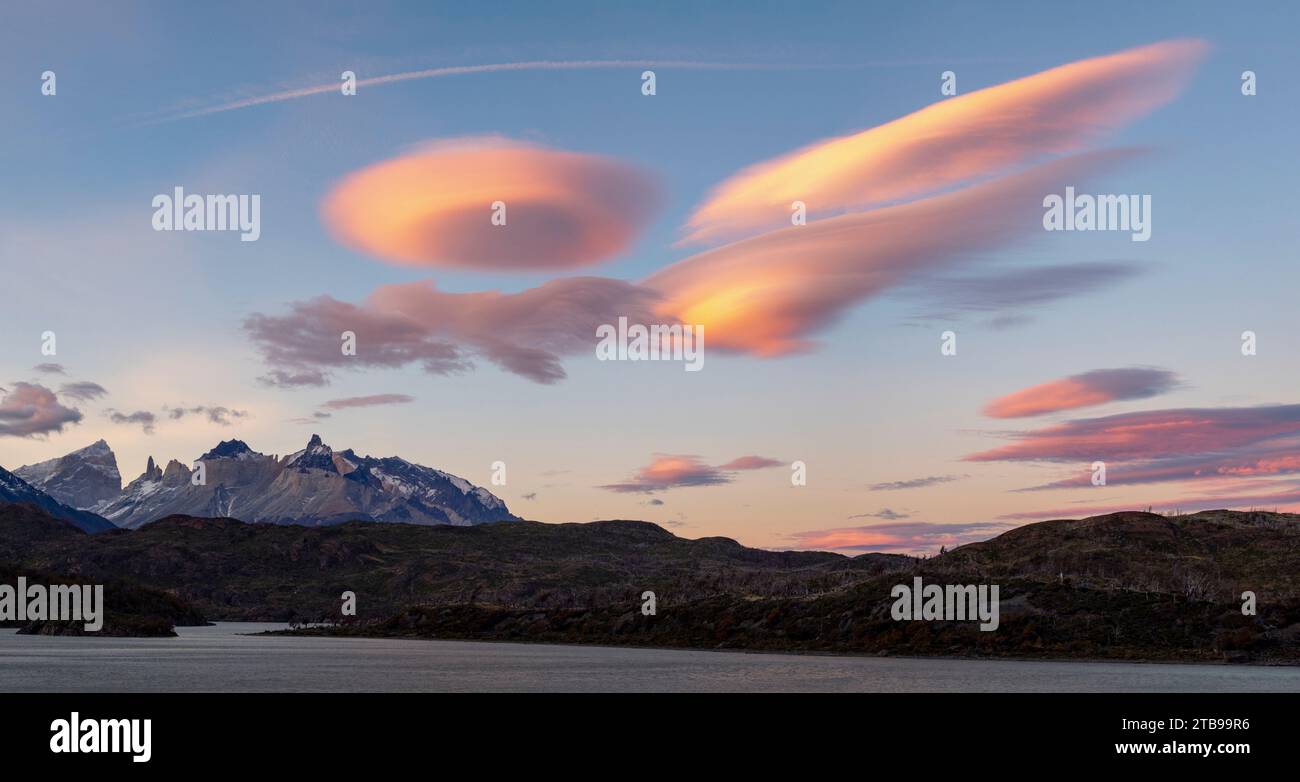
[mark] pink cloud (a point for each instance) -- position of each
(668, 471)
(1274, 457)
(1282, 496)
(32, 410)
(767, 295)
(372, 400)
(1090, 388)
(434, 207)
(977, 134)
(524, 333)
(1150, 434)
(751, 463)
(911, 537)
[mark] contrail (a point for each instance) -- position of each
(531, 65)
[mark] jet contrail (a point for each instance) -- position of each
(531, 65)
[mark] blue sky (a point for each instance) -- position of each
(156, 318)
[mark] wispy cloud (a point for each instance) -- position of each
(1097, 387)
(279, 378)
(50, 369)
(1149, 434)
(768, 295)
(915, 483)
(1005, 294)
(373, 400)
(669, 471)
(956, 140)
(883, 513)
(84, 391)
(912, 537)
(764, 296)
(333, 87)
(1250, 495)
(751, 463)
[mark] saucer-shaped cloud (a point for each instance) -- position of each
(1090, 388)
(669, 471)
(982, 133)
(766, 295)
(435, 207)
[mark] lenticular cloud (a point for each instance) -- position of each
(435, 207)
(954, 141)
(1085, 390)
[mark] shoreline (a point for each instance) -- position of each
(790, 652)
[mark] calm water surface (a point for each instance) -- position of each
(224, 658)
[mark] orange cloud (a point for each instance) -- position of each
(909, 537)
(434, 207)
(1090, 388)
(1152, 434)
(764, 296)
(666, 471)
(1283, 496)
(981, 133)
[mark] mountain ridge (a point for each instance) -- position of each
(16, 491)
(312, 487)
(1133, 586)
(80, 479)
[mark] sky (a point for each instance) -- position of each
(940, 365)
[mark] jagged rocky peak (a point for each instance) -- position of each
(230, 449)
(314, 486)
(79, 479)
(316, 456)
(176, 473)
(152, 472)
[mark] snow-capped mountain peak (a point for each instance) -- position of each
(80, 479)
(314, 486)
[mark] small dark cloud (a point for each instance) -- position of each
(84, 390)
(50, 369)
(1003, 293)
(883, 513)
(368, 401)
(144, 418)
(279, 378)
(751, 463)
(915, 483)
(214, 413)
(532, 495)
(315, 418)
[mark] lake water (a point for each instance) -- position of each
(224, 658)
